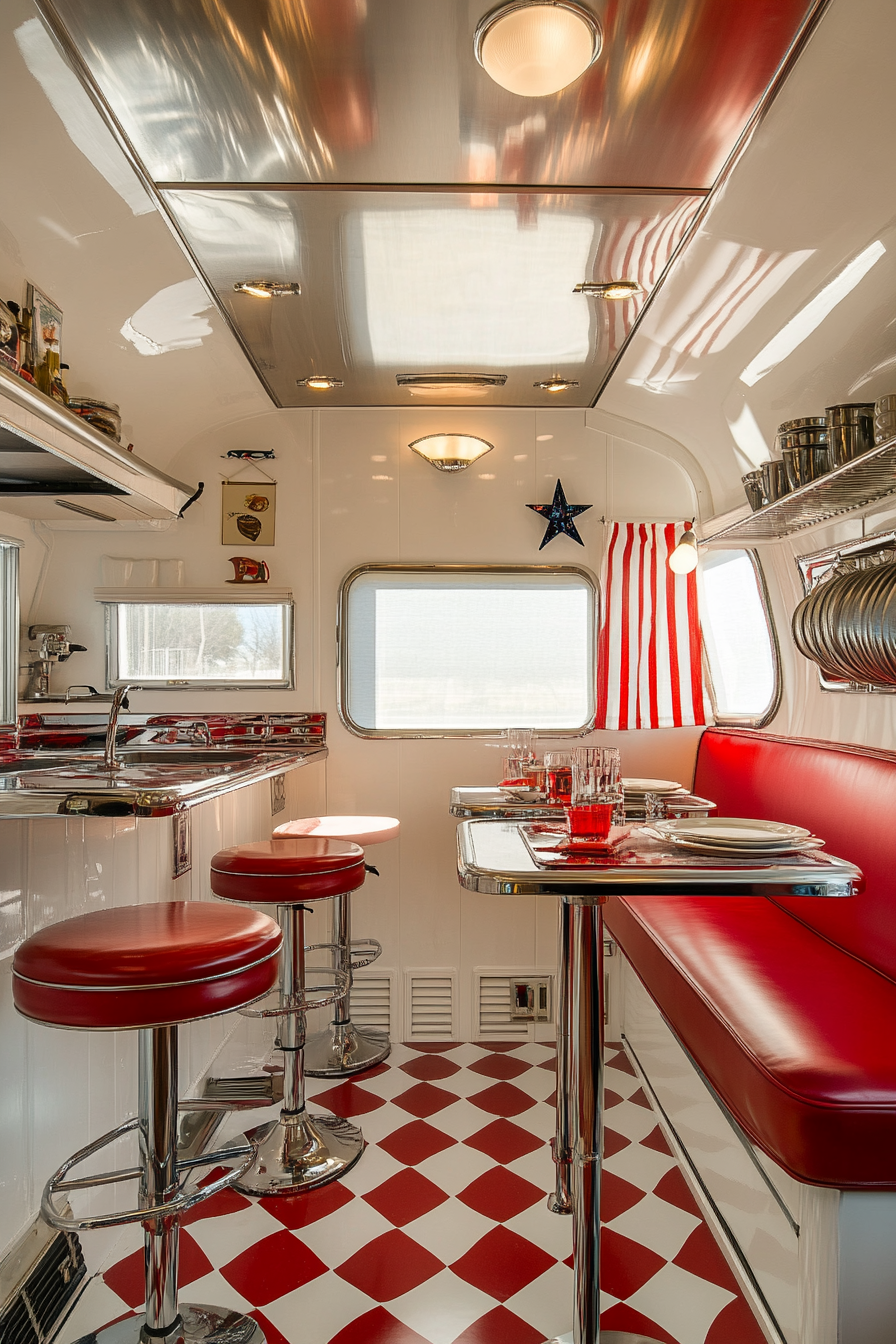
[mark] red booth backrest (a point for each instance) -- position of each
(847, 795)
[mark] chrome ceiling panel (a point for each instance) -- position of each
(389, 91)
(398, 282)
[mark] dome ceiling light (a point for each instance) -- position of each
(450, 452)
(537, 47)
(268, 289)
(609, 289)
(556, 384)
(319, 382)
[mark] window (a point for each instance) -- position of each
(466, 649)
(739, 638)
(183, 638)
(9, 629)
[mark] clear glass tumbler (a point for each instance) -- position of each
(596, 791)
(558, 767)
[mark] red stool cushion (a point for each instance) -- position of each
(287, 872)
(146, 965)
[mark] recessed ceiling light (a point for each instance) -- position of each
(537, 47)
(319, 382)
(556, 384)
(447, 384)
(609, 289)
(450, 452)
(267, 289)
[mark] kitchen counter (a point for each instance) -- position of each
(165, 763)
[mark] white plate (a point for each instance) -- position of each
(741, 831)
(525, 795)
(652, 786)
(752, 852)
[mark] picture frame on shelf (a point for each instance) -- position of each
(46, 326)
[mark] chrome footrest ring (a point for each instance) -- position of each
(364, 951)
(330, 990)
(189, 1195)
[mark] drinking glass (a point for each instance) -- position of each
(520, 742)
(596, 791)
(558, 767)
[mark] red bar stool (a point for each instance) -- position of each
(344, 1048)
(148, 968)
(298, 1151)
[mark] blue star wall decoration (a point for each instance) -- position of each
(560, 517)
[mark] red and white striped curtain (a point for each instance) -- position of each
(650, 672)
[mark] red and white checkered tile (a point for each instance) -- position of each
(441, 1235)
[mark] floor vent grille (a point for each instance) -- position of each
(39, 1278)
(430, 1000)
(372, 1000)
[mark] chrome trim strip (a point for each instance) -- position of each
(123, 989)
(455, 568)
(450, 188)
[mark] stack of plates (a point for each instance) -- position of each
(661, 787)
(738, 837)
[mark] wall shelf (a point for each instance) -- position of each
(852, 486)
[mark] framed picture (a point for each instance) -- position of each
(248, 512)
(46, 326)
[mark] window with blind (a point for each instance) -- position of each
(739, 638)
(466, 649)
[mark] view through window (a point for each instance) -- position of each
(467, 649)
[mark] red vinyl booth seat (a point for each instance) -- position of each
(788, 1006)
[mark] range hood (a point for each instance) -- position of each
(55, 466)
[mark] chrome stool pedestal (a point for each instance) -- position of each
(343, 1048)
(299, 1151)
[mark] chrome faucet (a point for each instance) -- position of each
(119, 702)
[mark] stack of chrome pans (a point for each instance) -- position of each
(803, 445)
(850, 430)
(847, 625)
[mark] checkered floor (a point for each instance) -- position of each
(440, 1234)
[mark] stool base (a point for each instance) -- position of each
(344, 1049)
(198, 1324)
(300, 1152)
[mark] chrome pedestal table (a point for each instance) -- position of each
(493, 859)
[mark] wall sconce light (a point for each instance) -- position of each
(684, 558)
(450, 452)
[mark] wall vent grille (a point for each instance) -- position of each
(39, 1278)
(492, 1002)
(430, 1003)
(494, 1016)
(372, 1000)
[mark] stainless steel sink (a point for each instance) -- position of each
(184, 755)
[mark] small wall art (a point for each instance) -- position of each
(248, 512)
(247, 570)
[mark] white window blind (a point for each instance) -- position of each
(467, 649)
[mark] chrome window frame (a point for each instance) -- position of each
(287, 683)
(747, 720)
(457, 568)
(9, 630)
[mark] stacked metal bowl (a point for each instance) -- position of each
(847, 625)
